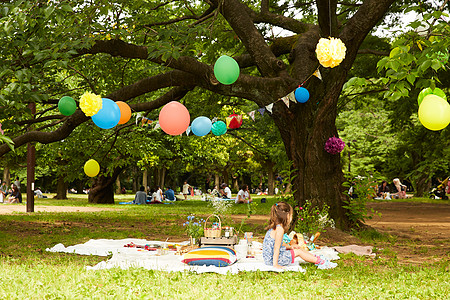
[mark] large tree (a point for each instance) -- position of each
(179, 43)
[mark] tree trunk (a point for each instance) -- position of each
(235, 184)
(7, 176)
(135, 179)
(102, 191)
(118, 187)
(422, 185)
(270, 178)
(216, 181)
(144, 180)
(61, 188)
(225, 176)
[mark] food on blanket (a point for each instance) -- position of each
(315, 237)
(297, 240)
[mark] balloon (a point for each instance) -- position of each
(219, 128)
(434, 112)
(67, 106)
(174, 118)
(226, 70)
(91, 168)
(125, 112)
(301, 94)
(108, 116)
(201, 126)
(429, 91)
(235, 121)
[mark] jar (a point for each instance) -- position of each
(227, 232)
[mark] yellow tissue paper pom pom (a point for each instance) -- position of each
(90, 103)
(330, 52)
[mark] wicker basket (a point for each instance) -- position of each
(213, 232)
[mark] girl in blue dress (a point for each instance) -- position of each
(278, 254)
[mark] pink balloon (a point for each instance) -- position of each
(174, 118)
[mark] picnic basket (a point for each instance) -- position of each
(213, 231)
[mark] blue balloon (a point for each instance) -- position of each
(201, 126)
(108, 116)
(301, 95)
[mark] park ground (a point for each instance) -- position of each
(411, 240)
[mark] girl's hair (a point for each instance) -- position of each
(280, 213)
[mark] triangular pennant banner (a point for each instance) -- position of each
(156, 126)
(261, 111)
(291, 96)
(188, 130)
(317, 74)
(214, 120)
(238, 118)
(146, 121)
(138, 116)
(269, 107)
(252, 114)
(286, 100)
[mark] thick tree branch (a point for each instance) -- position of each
(327, 17)
(38, 120)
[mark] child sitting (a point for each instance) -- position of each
(278, 254)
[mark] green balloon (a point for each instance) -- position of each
(67, 106)
(226, 70)
(219, 128)
(429, 91)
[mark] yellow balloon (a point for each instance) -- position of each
(434, 112)
(91, 168)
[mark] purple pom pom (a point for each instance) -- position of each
(334, 145)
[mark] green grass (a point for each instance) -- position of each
(28, 271)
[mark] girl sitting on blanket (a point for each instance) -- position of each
(278, 254)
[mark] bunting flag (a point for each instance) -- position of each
(188, 130)
(261, 111)
(1, 130)
(252, 114)
(146, 122)
(214, 120)
(285, 99)
(138, 116)
(317, 74)
(157, 126)
(291, 96)
(269, 107)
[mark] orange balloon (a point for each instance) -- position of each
(125, 112)
(174, 118)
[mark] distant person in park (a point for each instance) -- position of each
(186, 188)
(225, 191)
(141, 196)
(16, 196)
(17, 182)
(383, 189)
(399, 189)
(124, 190)
(157, 196)
(3, 191)
(243, 195)
(169, 194)
(38, 193)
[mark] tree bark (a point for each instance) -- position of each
(118, 187)
(144, 180)
(216, 181)
(102, 191)
(422, 186)
(7, 176)
(270, 178)
(61, 188)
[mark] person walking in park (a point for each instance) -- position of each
(186, 188)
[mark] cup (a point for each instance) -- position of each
(241, 250)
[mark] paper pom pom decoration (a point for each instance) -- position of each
(330, 52)
(301, 95)
(234, 121)
(67, 106)
(334, 145)
(219, 128)
(90, 103)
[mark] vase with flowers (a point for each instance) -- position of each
(194, 228)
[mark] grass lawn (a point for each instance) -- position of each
(28, 271)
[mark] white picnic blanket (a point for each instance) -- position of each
(124, 258)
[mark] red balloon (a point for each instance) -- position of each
(174, 118)
(236, 121)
